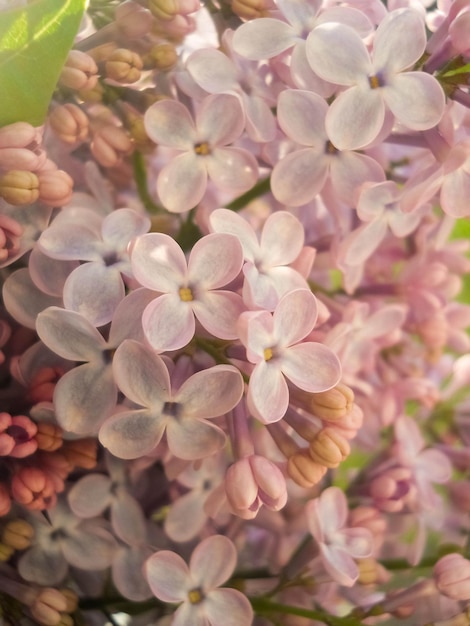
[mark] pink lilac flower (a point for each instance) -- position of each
(182, 183)
(181, 414)
(189, 288)
(339, 545)
(274, 345)
(196, 588)
(375, 83)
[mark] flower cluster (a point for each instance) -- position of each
(234, 324)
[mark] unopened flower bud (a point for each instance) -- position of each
(55, 187)
(30, 487)
(168, 9)
(79, 72)
(5, 500)
(162, 56)
(368, 571)
(110, 143)
(17, 436)
(251, 9)
(304, 470)
(93, 95)
(368, 517)
(69, 122)
(18, 534)
(6, 552)
(17, 135)
(132, 20)
(351, 423)
(329, 447)
(71, 599)
(176, 29)
(48, 606)
(81, 453)
(49, 436)
(452, 576)
(334, 404)
(19, 187)
(391, 489)
(124, 66)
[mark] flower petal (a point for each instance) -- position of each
(168, 323)
(215, 260)
(169, 123)
(233, 169)
(282, 239)
(311, 366)
(158, 262)
(301, 115)
(213, 561)
(167, 575)
(263, 39)
(220, 120)
(192, 439)
(294, 317)
(132, 434)
(181, 184)
(268, 395)
(218, 311)
(299, 176)
(229, 222)
(212, 70)
(399, 41)
(416, 99)
(228, 607)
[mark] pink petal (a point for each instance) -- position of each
(282, 239)
(362, 242)
(399, 41)
(158, 262)
(350, 170)
(339, 565)
(416, 99)
(218, 312)
(169, 123)
(299, 176)
(167, 575)
(294, 317)
(268, 395)
(192, 439)
(132, 434)
(121, 225)
(233, 169)
(301, 115)
(215, 261)
(168, 323)
(359, 542)
(212, 562)
(220, 120)
(311, 366)
(263, 39)
(212, 70)
(226, 221)
(90, 496)
(228, 607)
(181, 184)
(127, 518)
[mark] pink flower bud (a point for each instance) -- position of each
(329, 447)
(133, 20)
(79, 72)
(31, 487)
(304, 470)
(23, 431)
(69, 122)
(124, 66)
(17, 135)
(55, 187)
(10, 233)
(351, 423)
(19, 159)
(334, 404)
(452, 576)
(391, 489)
(110, 144)
(42, 385)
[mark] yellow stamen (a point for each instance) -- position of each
(186, 294)
(267, 354)
(374, 82)
(195, 596)
(202, 148)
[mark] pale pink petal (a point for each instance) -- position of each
(455, 193)
(168, 323)
(132, 434)
(127, 573)
(332, 510)
(220, 120)
(282, 239)
(299, 14)
(66, 240)
(355, 118)
(311, 366)
(192, 439)
(218, 312)
(169, 123)
(212, 70)
(357, 541)
(127, 519)
(362, 242)
(337, 54)
(299, 176)
(355, 18)
(189, 506)
(399, 41)
(294, 317)
(434, 465)
(228, 607)
(158, 262)
(263, 290)
(141, 375)
(127, 317)
(301, 115)
(90, 547)
(229, 222)
(256, 333)
(374, 199)
(304, 77)
(48, 275)
(263, 39)
(233, 169)
(211, 392)
(260, 122)
(23, 300)
(416, 99)
(90, 496)
(212, 562)
(44, 567)
(121, 225)
(402, 224)
(181, 184)
(167, 575)
(268, 394)
(350, 170)
(385, 320)
(215, 261)
(339, 565)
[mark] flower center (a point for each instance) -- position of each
(202, 148)
(330, 148)
(195, 596)
(376, 81)
(268, 354)
(186, 295)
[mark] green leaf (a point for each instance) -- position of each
(34, 42)
(464, 69)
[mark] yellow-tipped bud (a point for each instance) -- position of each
(17, 534)
(124, 66)
(304, 470)
(19, 187)
(162, 57)
(329, 447)
(5, 552)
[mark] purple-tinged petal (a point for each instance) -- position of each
(212, 70)
(189, 506)
(386, 320)
(127, 519)
(212, 562)
(311, 366)
(192, 439)
(294, 317)
(44, 567)
(169, 123)
(90, 496)
(126, 572)
(355, 118)
(299, 176)
(188, 613)
(300, 14)
(168, 323)
(69, 241)
(337, 54)
(121, 225)
(94, 290)
(301, 115)
(226, 221)
(132, 434)
(339, 565)
(220, 120)
(263, 39)
(70, 335)
(434, 465)
(218, 312)
(181, 184)
(23, 300)
(90, 547)
(158, 262)
(49, 275)
(211, 392)
(399, 41)
(362, 242)
(127, 318)
(260, 122)
(416, 99)
(215, 261)
(141, 375)
(228, 607)
(350, 170)
(359, 542)
(233, 169)
(354, 18)
(168, 576)
(268, 394)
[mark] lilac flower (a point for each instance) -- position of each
(196, 587)
(189, 288)
(378, 83)
(182, 414)
(274, 344)
(181, 184)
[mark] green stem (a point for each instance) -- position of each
(217, 353)
(262, 187)
(263, 606)
(140, 176)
